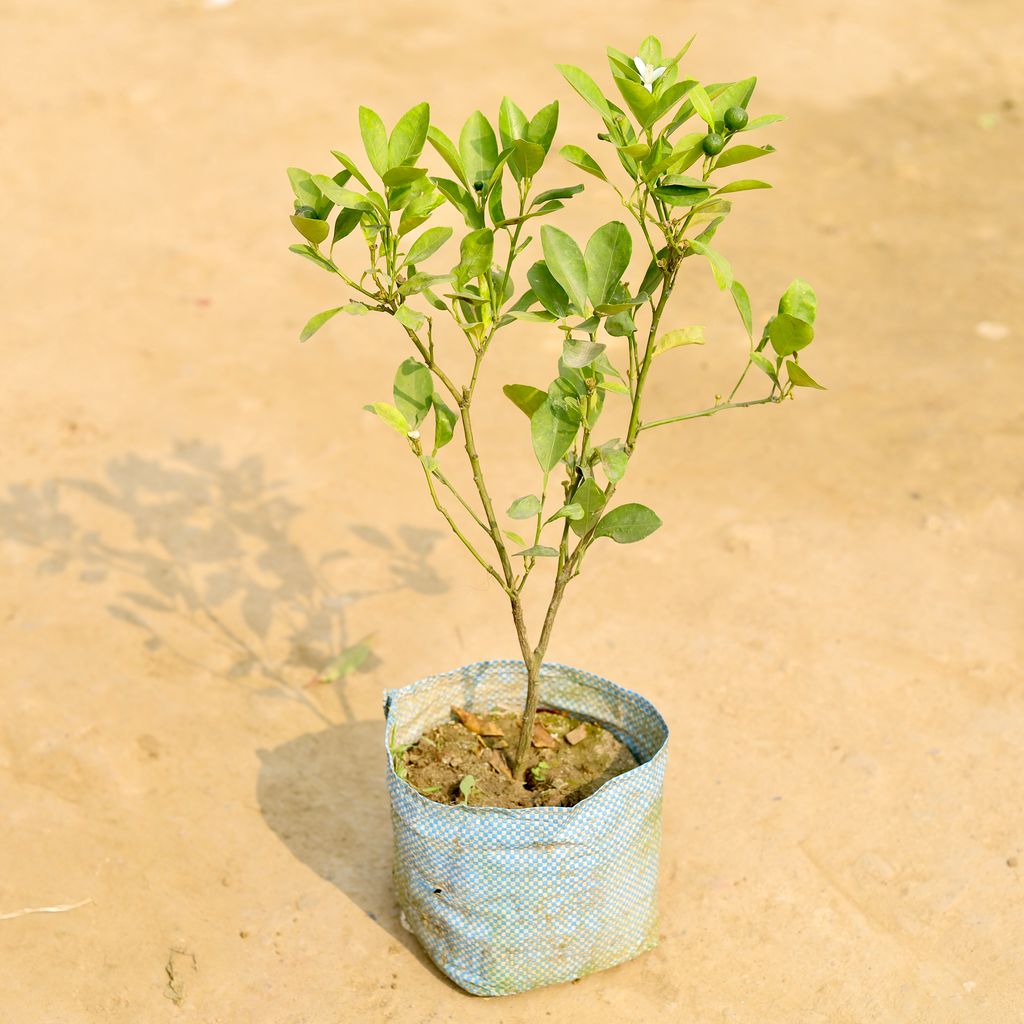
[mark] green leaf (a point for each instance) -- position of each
(494, 208)
(577, 354)
(390, 415)
(523, 396)
(742, 300)
(760, 122)
(744, 185)
(682, 195)
(345, 223)
(683, 336)
(606, 259)
(533, 316)
(316, 322)
(477, 254)
(614, 459)
(427, 244)
(399, 176)
(538, 551)
(764, 364)
(419, 210)
(461, 200)
(687, 151)
(309, 253)
(466, 787)
(409, 135)
(789, 334)
(650, 50)
(800, 377)
(735, 95)
(670, 97)
(702, 104)
(638, 99)
(542, 126)
(628, 524)
(375, 139)
(573, 512)
(565, 192)
(800, 301)
(615, 386)
(583, 160)
(444, 422)
(350, 166)
(586, 87)
(302, 185)
(528, 156)
(512, 123)
(478, 148)
(408, 317)
(342, 196)
(590, 499)
(742, 154)
(525, 507)
(414, 391)
(514, 537)
(422, 282)
(446, 149)
(565, 261)
(688, 180)
(719, 264)
(550, 293)
(553, 431)
(312, 230)
(686, 110)
(635, 150)
(620, 325)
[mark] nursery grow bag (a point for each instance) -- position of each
(504, 900)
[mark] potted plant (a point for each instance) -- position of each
(526, 796)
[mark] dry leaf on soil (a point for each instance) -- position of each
(542, 738)
(475, 724)
(498, 763)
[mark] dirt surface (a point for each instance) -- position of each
(473, 763)
(196, 515)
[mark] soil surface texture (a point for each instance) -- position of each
(471, 761)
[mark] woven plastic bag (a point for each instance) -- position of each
(504, 900)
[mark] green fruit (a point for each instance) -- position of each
(735, 119)
(713, 144)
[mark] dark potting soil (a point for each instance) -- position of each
(469, 760)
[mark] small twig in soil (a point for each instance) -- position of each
(60, 908)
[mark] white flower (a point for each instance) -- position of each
(414, 435)
(648, 73)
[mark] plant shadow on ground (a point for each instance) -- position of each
(324, 794)
(195, 551)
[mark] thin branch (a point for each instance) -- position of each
(59, 908)
(458, 532)
(710, 411)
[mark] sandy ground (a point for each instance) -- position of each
(195, 514)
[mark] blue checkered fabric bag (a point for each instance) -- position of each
(504, 900)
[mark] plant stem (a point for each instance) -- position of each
(458, 532)
(710, 411)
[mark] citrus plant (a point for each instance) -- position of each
(672, 139)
